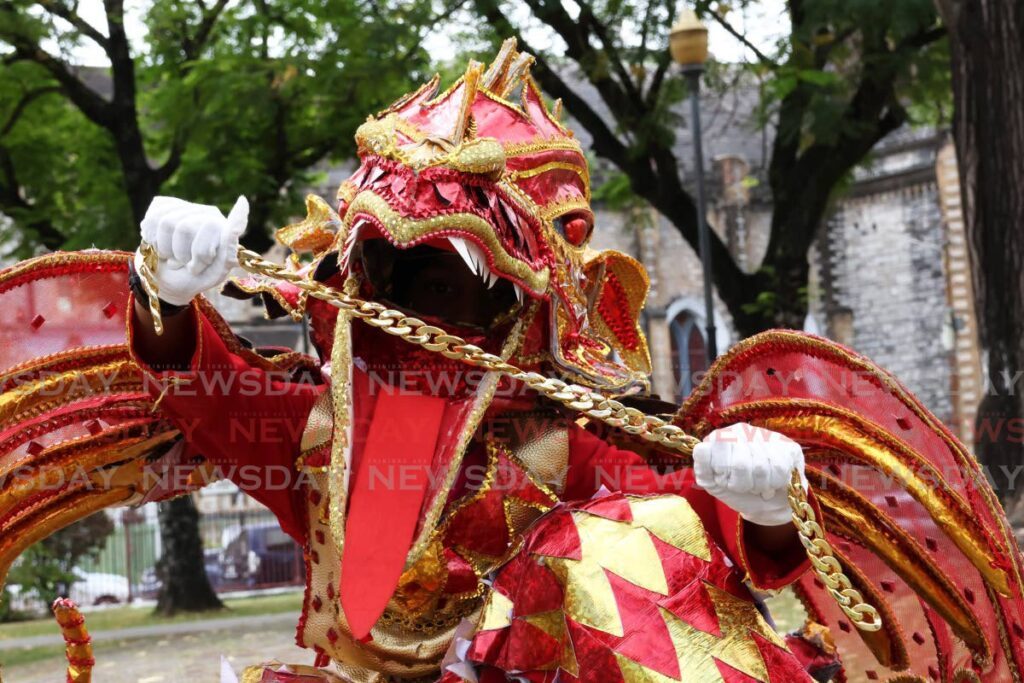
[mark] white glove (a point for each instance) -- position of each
(195, 244)
(748, 469)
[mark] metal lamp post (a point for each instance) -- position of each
(688, 44)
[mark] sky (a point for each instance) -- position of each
(762, 24)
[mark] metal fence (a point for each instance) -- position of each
(243, 551)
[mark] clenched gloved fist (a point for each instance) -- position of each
(195, 244)
(748, 469)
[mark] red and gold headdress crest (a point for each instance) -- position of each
(489, 166)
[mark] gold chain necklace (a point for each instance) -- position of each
(577, 398)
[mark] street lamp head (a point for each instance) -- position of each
(688, 40)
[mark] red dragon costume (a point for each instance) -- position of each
(525, 542)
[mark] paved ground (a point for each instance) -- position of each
(171, 653)
(158, 630)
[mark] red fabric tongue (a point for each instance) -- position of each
(390, 481)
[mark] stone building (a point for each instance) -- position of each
(890, 270)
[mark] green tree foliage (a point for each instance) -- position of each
(201, 99)
(45, 569)
(844, 75)
(216, 99)
(44, 145)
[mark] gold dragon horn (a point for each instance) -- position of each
(470, 85)
(495, 77)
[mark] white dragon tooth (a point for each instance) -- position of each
(481, 260)
(350, 241)
(475, 259)
(462, 247)
(483, 270)
(353, 232)
(358, 231)
(494, 279)
(519, 292)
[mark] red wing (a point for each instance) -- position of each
(79, 427)
(906, 506)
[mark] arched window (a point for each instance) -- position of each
(689, 352)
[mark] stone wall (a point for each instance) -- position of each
(676, 284)
(886, 288)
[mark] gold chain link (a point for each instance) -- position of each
(577, 398)
(147, 275)
(415, 331)
(824, 562)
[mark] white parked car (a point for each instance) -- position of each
(90, 588)
(96, 588)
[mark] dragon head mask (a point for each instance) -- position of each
(485, 172)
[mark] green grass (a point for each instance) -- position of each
(30, 655)
(129, 617)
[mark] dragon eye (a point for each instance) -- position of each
(575, 229)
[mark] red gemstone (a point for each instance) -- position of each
(330, 591)
(37, 322)
(888, 586)
(94, 427)
(871, 675)
(34, 448)
(969, 594)
(576, 231)
(844, 627)
(918, 638)
(932, 544)
(332, 635)
(315, 497)
(317, 603)
(110, 310)
(321, 538)
(891, 501)
(903, 422)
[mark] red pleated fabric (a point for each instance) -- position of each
(387, 492)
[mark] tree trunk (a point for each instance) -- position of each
(184, 584)
(258, 238)
(988, 127)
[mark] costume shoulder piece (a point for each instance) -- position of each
(80, 430)
(907, 509)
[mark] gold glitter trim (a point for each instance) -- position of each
(314, 233)
(409, 231)
(338, 470)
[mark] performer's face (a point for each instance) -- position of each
(434, 283)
